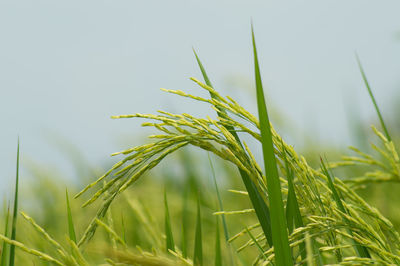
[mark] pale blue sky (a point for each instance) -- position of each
(66, 66)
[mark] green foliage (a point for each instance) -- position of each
(326, 220)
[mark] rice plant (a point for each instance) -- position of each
(284, 211)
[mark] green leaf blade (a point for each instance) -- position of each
(203, 71)
(371, 95)
(293, 214)
(71, 227)
(5, 248)
(15, 212)
(256, 243)
(280, 240)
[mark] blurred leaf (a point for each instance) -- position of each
(218, 257)
(198, 241)
(170, 245)
(5, 248)
(221, 206)
(185, 203)
(123, 227)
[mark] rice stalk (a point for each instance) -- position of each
(34, 252)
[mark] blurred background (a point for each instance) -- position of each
(67, 66)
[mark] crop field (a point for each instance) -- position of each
(196, 193)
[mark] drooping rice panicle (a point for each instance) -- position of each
(46, 236)
(34, 252)
(111, 232)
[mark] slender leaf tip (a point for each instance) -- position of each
(71, 227)
(15, 211)
(364, 76)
